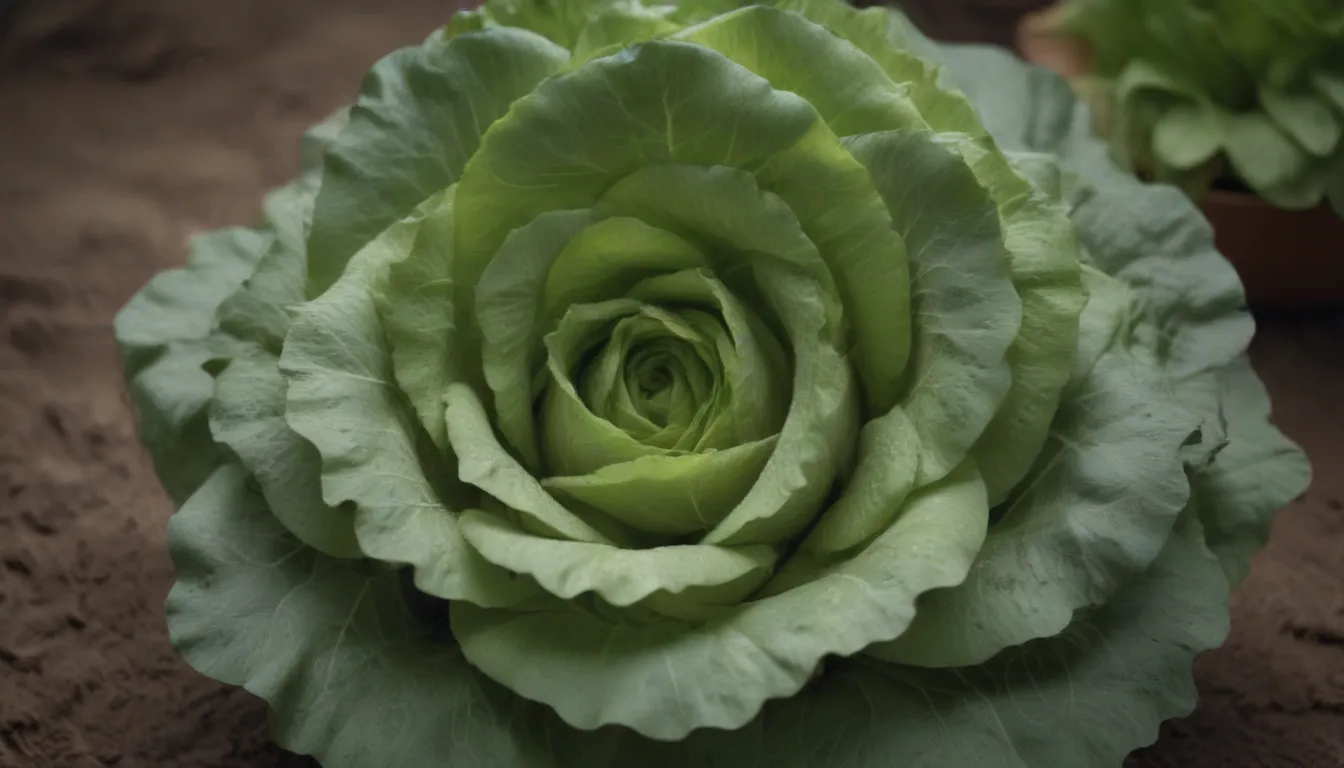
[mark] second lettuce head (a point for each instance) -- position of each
(1198, 92)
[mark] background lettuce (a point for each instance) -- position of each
(1194, 91)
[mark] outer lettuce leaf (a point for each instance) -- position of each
(186, 320)
(418, 316)
(964, 309)
(1039, 239)
(1066, 540)
(375, 454)
(353, 675)
(437, 99)
(163, 333)
(847, 87)
(259, 311)
(179, 305)
(561, 21)
(1238, 493)
(1043, 264)
(1153, 239)
(622, 24)
(167, 332)
(248, 416)
(364, 681)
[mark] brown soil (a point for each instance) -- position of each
(126, 126)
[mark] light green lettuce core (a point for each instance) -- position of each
(707, 384)
(658, 370)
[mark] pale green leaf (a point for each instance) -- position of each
(621, 577)
(966, 312)
(834, 198)
(819, 430)
(417, 313)
(259, 311)
(1189, 134)
(1097, 510)
(171, 396)
(574, 439)
(248, 415)
(1255, 475)
(1262, 154)
(668, 102)
(1043, 263)
(608, 258)
(888, 462)
(178, 305)
(561, 21)
(664, 678)
(355, 678)
(1330, 85)
(350, 672)
(668, 494)
(1303, 192)
(162, 334)
(622, 25)
(726, 214)
(1307, 118)
(890, 40)
(417, 122)
(484, 463)
(850, 90)
(343, 398)
(659, 370)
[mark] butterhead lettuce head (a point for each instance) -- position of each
(680, 385)
(1195, 90)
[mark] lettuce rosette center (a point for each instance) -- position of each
(641, 377)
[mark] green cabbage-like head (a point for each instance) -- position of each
(679, 385)
(1198, 91)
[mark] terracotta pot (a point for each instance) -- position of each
(1286, 259)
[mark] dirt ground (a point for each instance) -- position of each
(127, 125)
